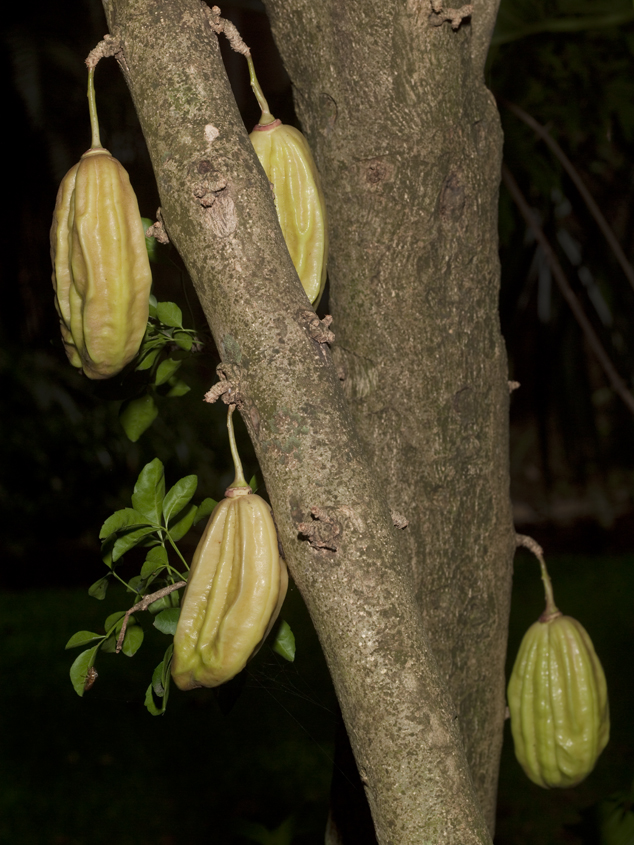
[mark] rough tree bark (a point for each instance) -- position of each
(413, 236)
(407, 138)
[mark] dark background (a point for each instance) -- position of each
(100, 769)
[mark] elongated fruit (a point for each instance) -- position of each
(557, 698)
(235, 589)
(288, 163)
(101, 271)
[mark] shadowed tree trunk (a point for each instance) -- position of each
(405, 420)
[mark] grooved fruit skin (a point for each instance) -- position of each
(558, 702)
(101, 271)
(288, 163)
(235, 590)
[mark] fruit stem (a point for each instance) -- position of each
(239, 480)
(92, 106)
(551, 610)
(266, 116)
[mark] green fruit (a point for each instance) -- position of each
(558, 701)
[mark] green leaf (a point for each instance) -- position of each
(157, 681)
(153, 302)
(149, 491)
(155, 561)
(98, 589)
(178, 388)
(253, 484)
(106, 550)
(204, 509)
(150, 705)
(123, 518)
(147, 361)
(112, 620)
(132, 640)
(137, 415)
(160, 685)
(170, 600)
(109, 645)
(167, 665)
(167, 620)
(180, 528)
(136, 585)
(166, 370)
(170, 314)
(82, 638)
(79, 669)
(128, 541)
(284, 643)
(184, 340)
(179, 495)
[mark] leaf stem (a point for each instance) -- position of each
(178, 552)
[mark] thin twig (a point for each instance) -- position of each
(108, 46)
(220, 24)
(552, 611)
(530, 544)
(570, 169)
(145, 602)
(618, 384)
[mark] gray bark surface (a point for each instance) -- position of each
(422, 222)
(408, 142)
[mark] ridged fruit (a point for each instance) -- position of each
(234, 592)
(558, 701)
(289, 165)
(101, 271)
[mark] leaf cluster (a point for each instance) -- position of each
(166, 345)
(156, 521)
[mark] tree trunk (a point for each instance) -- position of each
(432, 417)
(408, 142)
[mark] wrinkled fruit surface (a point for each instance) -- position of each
(234, 593)
(101, 271)
(558, 701)
(287, 161)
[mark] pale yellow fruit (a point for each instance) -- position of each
(288, 163)
(234, 593)
(101, 270)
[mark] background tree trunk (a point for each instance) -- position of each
(408, 142)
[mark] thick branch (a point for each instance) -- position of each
(361, 596)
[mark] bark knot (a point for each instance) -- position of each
(455, 16)
(214, 195)
(228, 388)
(317, 329)
(157, 230)
(321, 532)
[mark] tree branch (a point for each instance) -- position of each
(145, 602)
(361, 597)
